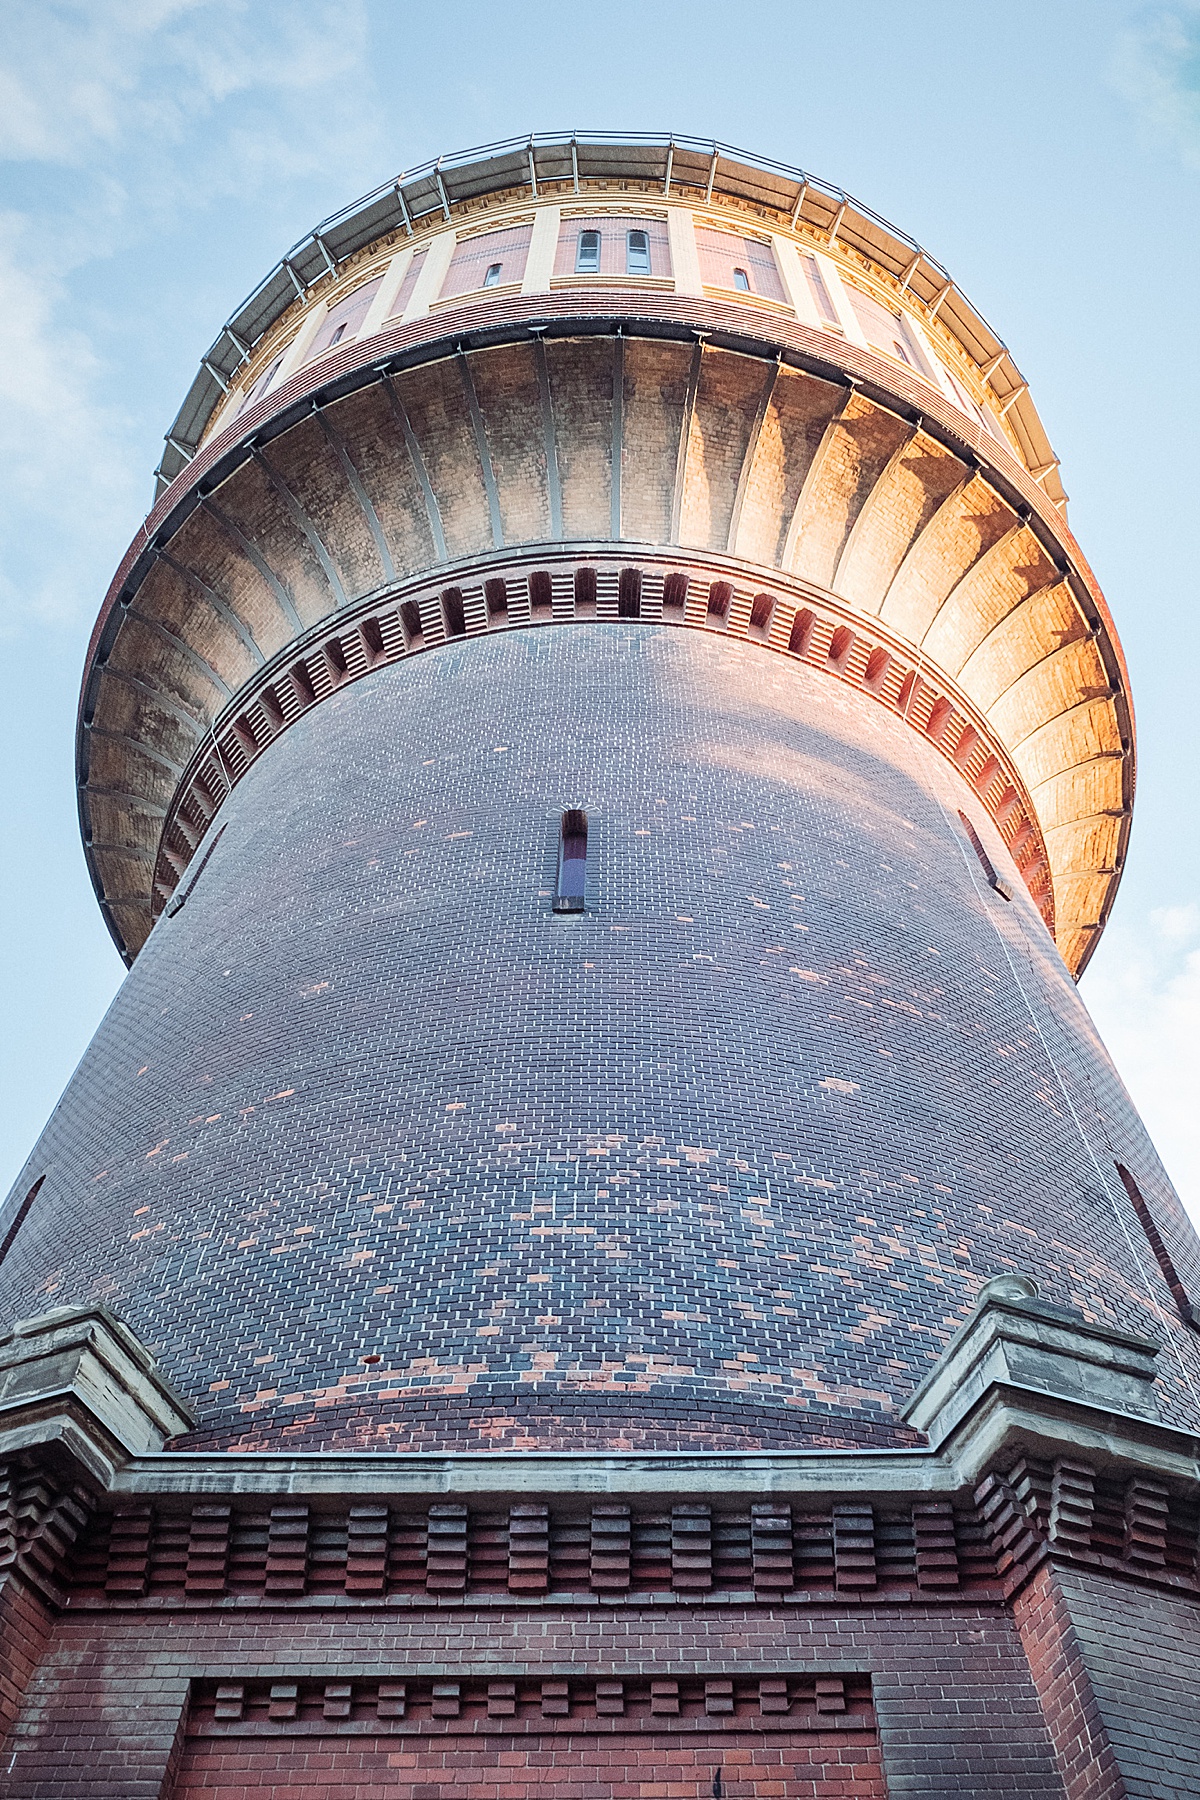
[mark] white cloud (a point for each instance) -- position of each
(125, 118)
(1143, 990)
(1156, 67)
(103, 76)
(57, 442)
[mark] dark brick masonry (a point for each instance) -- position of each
(957, 1712)
(378, 1152)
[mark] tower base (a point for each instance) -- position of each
(1014, 1610)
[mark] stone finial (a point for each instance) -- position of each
(77, 1377)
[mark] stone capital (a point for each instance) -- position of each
(77, 1379)
(1023, 1369)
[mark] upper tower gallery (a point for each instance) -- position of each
(593, 377)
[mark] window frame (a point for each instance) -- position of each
(592, 266)
(570, 886)
(642, 250)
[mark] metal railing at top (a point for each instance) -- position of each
(435, 186)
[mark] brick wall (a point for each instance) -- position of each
(957, 1717)
(1141, 1651)
(369, 1133)
(25, 1625)
(1077, 1729)
(654, 1769)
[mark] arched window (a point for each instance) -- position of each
(587, 253)
(637, 253)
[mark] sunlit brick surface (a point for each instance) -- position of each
(723, 1162)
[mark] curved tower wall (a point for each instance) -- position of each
(751, 1302)
(722, 1161)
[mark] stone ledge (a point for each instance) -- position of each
(1020, 1376)
(77, 1378)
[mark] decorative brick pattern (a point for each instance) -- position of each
(555, 1704)
(1121, 1522)
(528, 1551)
(350, 649)
(957, 1716)
(620, 1768)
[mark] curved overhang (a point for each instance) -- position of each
(699, 171)
(750, 451)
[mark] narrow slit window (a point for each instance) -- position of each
(19, 1218)
(637, 253)
(182, 894)
(1162, 1255)
(587, 253)
(991, 873)
(572, 862)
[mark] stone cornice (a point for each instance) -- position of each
(1043, 659)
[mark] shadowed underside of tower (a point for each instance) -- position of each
(604, 759)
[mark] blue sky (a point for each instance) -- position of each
(156, 157)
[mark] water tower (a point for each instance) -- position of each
(597, 1250)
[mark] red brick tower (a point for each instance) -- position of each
(597, 1251)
